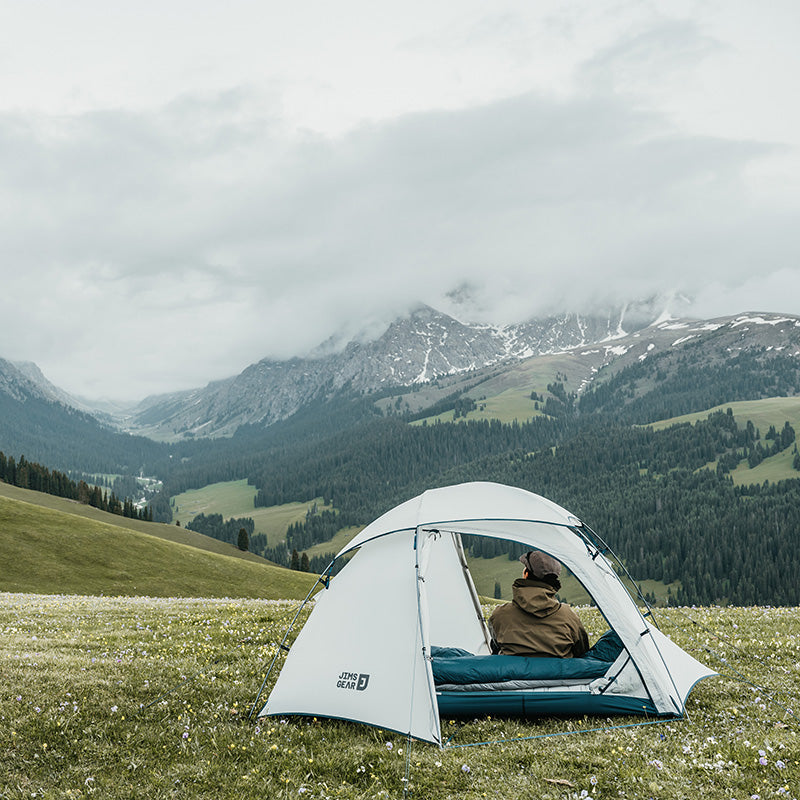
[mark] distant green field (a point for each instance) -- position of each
(231, 499)
(763, 413)
(335, 544)
(769, 411)
(485, 571)
(509, 405)
(47, 551)
(773, 469)
(571, 369)
(235, 499)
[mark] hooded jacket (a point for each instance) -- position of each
(535, 623)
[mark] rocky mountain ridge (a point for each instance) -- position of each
(415, 350)
(428, 345)
(21, 380)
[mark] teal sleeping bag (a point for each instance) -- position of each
(454, 666)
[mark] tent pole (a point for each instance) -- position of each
(425, 644)
(471, 585)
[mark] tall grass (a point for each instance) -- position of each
(141, 697)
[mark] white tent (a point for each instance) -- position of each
(365, 652)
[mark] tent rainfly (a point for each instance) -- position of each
(369, 650)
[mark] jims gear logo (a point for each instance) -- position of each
(356, 681)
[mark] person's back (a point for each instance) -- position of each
(536, 623)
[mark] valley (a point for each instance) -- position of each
(235, 499)
(581, 411)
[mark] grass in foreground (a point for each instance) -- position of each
(79, 673)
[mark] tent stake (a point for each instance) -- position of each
(407, 779)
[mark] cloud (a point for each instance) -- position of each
(650, 56)
(153, 250)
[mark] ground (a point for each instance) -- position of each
(142, 697)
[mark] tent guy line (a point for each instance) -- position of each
(282, 646)
(605, 729)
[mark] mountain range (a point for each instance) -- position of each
(424, 356)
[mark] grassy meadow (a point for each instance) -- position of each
(122, 697)
(334, 545)
(509, 405)
(763, 413)
(506, 396)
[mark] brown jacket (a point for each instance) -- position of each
(535, 623)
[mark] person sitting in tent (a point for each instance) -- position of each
(535, 623)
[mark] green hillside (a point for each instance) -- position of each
(485, 571)
(171, 533)
(762, 413)
(505, 395)
(336, 544)
(48, 551)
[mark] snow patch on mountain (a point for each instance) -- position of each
(709, 326)
(674, 325)
(760, 320)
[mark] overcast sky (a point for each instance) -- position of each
(188, 187)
